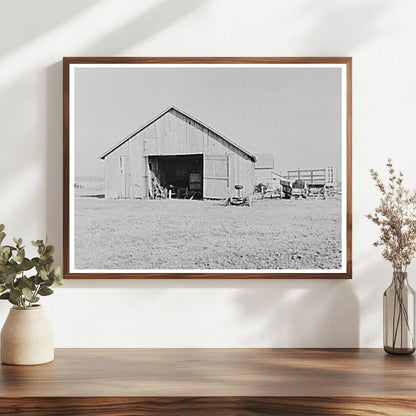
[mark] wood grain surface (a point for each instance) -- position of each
(208, 406)
(212, 381)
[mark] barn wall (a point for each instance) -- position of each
(174, 134)
(263, 175)
(241, 173)
(133, 149)
(113, 174)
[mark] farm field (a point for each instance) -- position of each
(187, 234)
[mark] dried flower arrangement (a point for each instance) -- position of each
(396, 217)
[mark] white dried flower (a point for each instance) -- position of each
(396, 217)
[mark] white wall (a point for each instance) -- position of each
(380, 35)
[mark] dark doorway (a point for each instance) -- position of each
(176, 176)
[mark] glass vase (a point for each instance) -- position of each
(399, 316)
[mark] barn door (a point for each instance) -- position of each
(125, 176)
(216, 176)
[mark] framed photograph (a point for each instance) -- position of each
(207, 168)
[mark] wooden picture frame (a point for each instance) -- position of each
(154, 207)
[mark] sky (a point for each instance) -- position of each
(293, 113)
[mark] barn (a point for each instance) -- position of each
(264, 168)
(182, 156)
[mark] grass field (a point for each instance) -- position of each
(184, 234)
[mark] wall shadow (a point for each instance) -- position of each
(266, 313)
(148, 23)
(44, 17)
(54, 145)
(158, 17)
(301, 313)
(336, 17)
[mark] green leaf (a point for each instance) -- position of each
(48, 282)
(21, 255)
(37, 243)
(11, 248)
(26, 264)
(9, 277)
(13, 302)
(43, 274)
(5, 250)
(2, 288)
(27, 293)
(45, 291)
(18, 242)
(49, 250)
(2, 236)
(38, 280)
(2, 227)
(58, 280)
(7, 297)
(48, 260)
(24, 282)
(15, 294)
(4, 256)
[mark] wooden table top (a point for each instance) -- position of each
(214, 372)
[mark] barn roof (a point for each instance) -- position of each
(131, 135)
(264, 161)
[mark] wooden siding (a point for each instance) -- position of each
(264, 175)
(216, 176)
(175, 134)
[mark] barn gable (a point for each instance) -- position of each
(179, 153)
(264, 161)
(186, 117)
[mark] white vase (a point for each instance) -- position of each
(27, 337)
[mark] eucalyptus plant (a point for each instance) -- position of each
(23, 280)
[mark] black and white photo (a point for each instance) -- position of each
(207, 168)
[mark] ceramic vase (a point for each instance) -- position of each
(27, 337)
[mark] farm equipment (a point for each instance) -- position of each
(156, 190)
(238, 200)
(286, 188)
(300, 189)
(330, 191)
(318, 183)
(296, 189)
(323, 192)
(265, 190)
